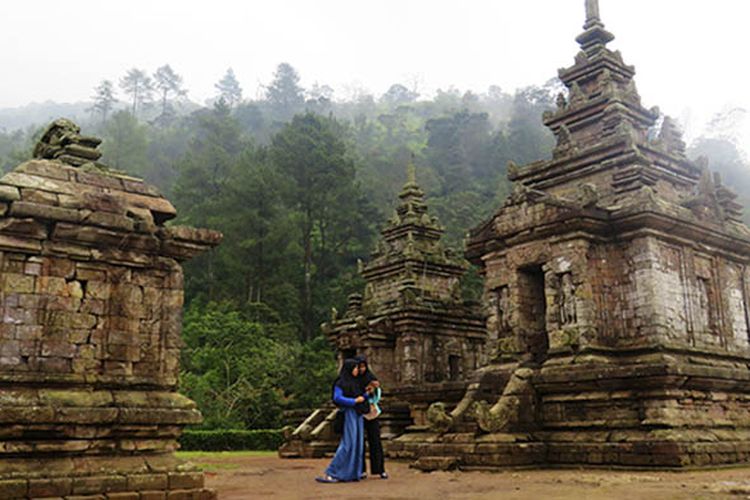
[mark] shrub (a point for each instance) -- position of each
(231, 439)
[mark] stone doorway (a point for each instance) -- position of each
(532, 306)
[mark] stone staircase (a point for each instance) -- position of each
(314, 437)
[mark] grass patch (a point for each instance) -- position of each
(214, 461)
(218, 455)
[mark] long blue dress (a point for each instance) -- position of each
(347, 462)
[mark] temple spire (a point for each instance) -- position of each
(595, 38)
(592, 12)
(411, 172)
(411, 193)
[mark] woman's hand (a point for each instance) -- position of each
(359, 399)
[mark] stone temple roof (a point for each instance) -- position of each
(62, 196)
(614, 159)
(412, 234)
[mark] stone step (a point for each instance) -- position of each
(433, 463)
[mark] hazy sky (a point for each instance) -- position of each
(691, 55)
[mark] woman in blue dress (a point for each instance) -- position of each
(347, 395)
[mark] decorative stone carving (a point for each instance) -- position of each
(507, 411)
(567, 300)
(439, 419)
(561, 102)
(62, 141)
(504, 309)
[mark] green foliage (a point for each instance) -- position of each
(230, 439)
(284, 94)
(244, 367)
(333, 216)
(168, 84)
(17, 147)
(125, 144)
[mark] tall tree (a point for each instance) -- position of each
(125, 143)
(284, 94)
(528, 139)
(168, 84)
(398, 94)
(229, 89)
(138, 85)
(104, 99)
(333, 217)
(201, 194)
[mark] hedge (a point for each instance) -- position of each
(231, 439)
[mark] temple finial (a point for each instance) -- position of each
(411, 171)
(592, 12)
(595, 38)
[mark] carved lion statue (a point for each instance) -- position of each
(439, 419)
(499, 417)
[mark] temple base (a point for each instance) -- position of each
(142, 477)
(656, 410)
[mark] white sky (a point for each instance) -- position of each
(691, 55)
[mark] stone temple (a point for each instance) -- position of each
(618, 283)
(616, 300)
(91, 291)
(420, 336)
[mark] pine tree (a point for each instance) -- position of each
(333, 217)
(125, 143)
(168, 84)
(229, 89)
(137, 84)
(104, 99)
(285, 95)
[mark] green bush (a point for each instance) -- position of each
(231, 439)
(243, 374)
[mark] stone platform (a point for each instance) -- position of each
(667, 413)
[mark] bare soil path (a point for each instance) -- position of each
(243, 476)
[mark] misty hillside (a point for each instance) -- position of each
(33, 114)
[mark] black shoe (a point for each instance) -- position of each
(383, 475)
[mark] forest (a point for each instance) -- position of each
(299, 181)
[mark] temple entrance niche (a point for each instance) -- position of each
(532, 312)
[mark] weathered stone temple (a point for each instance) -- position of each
(421, 338)
(91, 292)
(617, 279)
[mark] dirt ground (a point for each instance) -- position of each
(259, 476)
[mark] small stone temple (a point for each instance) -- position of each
(617, 283)
(91, 290)
(420, 337)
